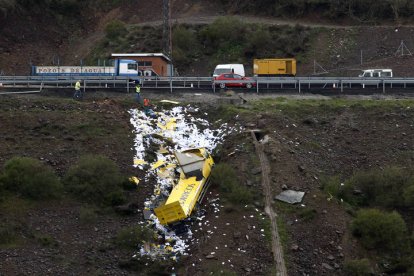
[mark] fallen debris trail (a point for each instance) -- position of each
(276, 245)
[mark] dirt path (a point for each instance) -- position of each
(276, 245)
(244, 18)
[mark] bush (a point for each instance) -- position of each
(30, 178)
(360, 267)
(379, 188)
(95, 179)
(185, 44)
(408, 195)
(225, 177)
(381, 230)
(132, 237)
(115, 29)
(223, 30)
(331, 186)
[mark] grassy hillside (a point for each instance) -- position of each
(70, 31)
(198, 48)
(358, 11)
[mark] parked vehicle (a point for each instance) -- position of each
(234, 77)
(273, 67)
(122, 67)
(376, 73)
(229, 68)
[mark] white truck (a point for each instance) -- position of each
(376, 73)
(229, 68)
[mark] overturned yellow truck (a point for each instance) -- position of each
(195, 168)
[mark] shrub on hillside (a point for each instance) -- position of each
(381, 230)
(132, 237)
(225, 177)
(409, 195)
(224, 30)
(30, 178)
(115, 29)
(360, 267)
(379, 188)
(95, 179)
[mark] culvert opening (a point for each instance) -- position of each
(258, 134)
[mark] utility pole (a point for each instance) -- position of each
(166, 31)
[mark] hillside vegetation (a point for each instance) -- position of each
(225, 40)
(71, 32)
(360, 10)
(57, 7)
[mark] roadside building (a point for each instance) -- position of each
(150, 64)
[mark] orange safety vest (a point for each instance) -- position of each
(146, 102)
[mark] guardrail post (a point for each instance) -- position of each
(383, 86)
(299, 85)
(127, 85)
(342, 86)
(171, 88)
(257, 86)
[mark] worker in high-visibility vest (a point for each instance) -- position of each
(78, 92)
(138, 93)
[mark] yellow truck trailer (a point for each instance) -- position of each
(195, 166)
(272, 67)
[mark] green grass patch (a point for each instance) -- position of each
(298, 108)
(266, 225)
(91, 130)
(224, 176)
(360, 267)
(285, 208)
(283, 232)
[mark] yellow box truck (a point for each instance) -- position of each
(273, 67)
(195, 166)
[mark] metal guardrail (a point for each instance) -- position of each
(207, 83)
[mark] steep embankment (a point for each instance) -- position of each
(69, 32)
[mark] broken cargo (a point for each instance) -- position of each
(195, 166)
